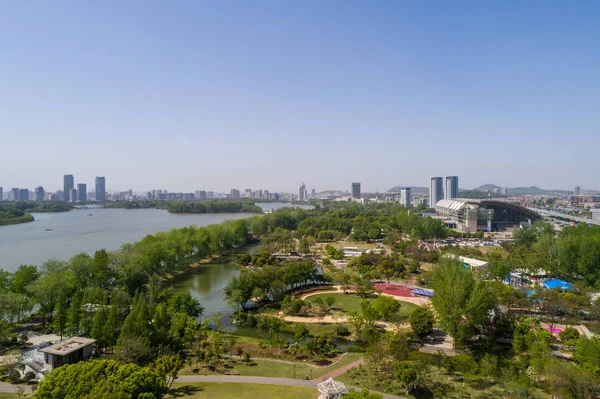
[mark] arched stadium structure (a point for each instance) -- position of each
(472, 215)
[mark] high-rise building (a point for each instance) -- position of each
(72, 195)
(82, 192)
(436, 191)
(14, 194)
(450, 187)
(577, 191)
(302, 192)
(313, 193)
(23, 194)
(1, 194)
(39, 193)
(100, 188)
(356, 190)
(405, 197)
(235, 194)
(68, 184)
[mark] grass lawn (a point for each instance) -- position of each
(268, 368)
(221, 390)
(4, 395)
(349, 303)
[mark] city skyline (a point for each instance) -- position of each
(253, 95)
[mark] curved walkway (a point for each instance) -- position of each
(259, 380)
(337, 289)
(338, 320)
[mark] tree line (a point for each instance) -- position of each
(207, 206)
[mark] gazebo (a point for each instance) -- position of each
(331, 389)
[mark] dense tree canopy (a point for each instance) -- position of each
(97, 379)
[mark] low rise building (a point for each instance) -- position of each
(69, 351)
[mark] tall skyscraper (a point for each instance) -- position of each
(100, 189)
(436, 191)
(39, 193)
(14, 194)
(1, 194)
(451, 187)
(82, 192)
(356, 190)
(23, 194)
(72, 195)
(302, 192)
(577, 190)
(68, 184)
(405, 197)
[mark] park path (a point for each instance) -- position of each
(336, 290)
(342, 370)
(338, 320)
(259, 380)
(10, 388)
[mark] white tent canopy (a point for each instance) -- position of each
(331, 389)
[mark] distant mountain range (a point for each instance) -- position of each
(413, 190)
(533, 190)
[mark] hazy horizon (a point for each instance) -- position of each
(217, 95)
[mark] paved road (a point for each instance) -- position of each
(258, 380)
(4, 388)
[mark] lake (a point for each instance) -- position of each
(62, 235)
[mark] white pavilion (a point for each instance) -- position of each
(331, 389)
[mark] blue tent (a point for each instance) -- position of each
(422, 292)
(556, 283)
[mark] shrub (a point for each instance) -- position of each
(341, 331)
(356, 349)
(30, 375)
(569, 334)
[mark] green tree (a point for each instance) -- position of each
(300, 332)
(406, 373)
(62, 313)
(421, 321)
(168, 367)
(462, 302)
(387, 307)
(23, 277)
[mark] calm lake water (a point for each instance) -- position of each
(62, 235)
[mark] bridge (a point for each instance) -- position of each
(563, 216)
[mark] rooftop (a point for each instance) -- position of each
(68, 346)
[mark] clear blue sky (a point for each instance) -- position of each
(188, 95)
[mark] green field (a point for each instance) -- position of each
(268, 368)
(222, 390)
(350, 303)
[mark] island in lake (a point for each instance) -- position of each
(20, 211)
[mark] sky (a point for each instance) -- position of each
(191, 95)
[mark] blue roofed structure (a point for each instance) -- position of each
(557, 283)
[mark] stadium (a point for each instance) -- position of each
(471, 215)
